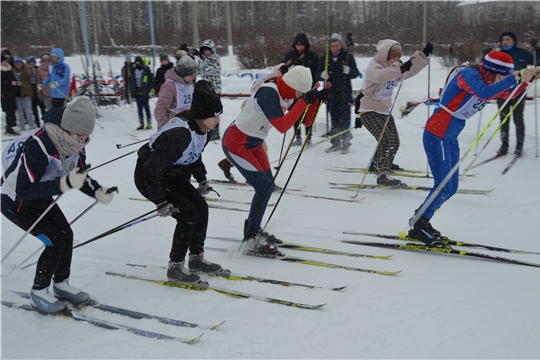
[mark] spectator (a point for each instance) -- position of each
(44, 92)
(141, 84)
(522, 58)
(9, 103)
(7, 53)
(176, 92)
(23, 74)
(210, 66)
(58, 79)
(160, 73)
(301, 55)
(126, 71)
(183, 46)
(341, 69)
(36, 101)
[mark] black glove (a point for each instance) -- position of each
(284, 69)
(311, 96)
(324, 94)
(357, 123)
(406, 66)
(428, 49)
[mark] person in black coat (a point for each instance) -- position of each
(141, 84)
(9, 102)
(160, 73)
(522, 57)
(301, 55)
(162, 175)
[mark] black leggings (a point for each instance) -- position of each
(54, 231)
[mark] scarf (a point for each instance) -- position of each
(285, 90)
(66, 144)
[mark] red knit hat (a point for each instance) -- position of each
(498, 62)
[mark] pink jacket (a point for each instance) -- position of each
(167, 97)
(376, 97)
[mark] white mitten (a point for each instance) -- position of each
(105, 195)
(74, 179)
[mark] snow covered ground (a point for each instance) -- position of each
(440, 306)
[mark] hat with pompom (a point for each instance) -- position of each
(185, 65)
(498, 62)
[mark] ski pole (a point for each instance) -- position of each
(435, 192)
(119, 146)
(498, 128)
(382, 133)
(477, 133)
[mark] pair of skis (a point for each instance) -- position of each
(508, 167)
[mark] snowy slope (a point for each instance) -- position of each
(440, 306)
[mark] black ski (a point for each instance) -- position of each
(512, 162)
(448, 241)
(446, 250)
(486, 161)
(103, 323)
(140, 315)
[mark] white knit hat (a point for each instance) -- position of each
(79, 116)
(299, 78)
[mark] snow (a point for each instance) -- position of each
(440, 306)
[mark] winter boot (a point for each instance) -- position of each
(386, 180)
(421, 231)
(64, 291)
(178, 273)
(345, 147)
(225, 166)
(503, 149)
(256, 244)
(334, 147)
(10, 131)
(45, 302)
(199, 263)
(297, 142)
(519, 149)
(141, 126)
(149, 126)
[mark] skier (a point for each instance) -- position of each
(162, 175)
(383, 73)
(160, 73)
(243, 141)
(51, 162)
(521, 58)
(341, 69)
(177, 90)
(301, 55)
(141, 84)
(9, 102)
(467, 91)
(210, 66)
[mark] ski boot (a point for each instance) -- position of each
(225, 165)
(256, 245)
(503, 150)
(199, 263)
(44, 302)
(519, 149)
(384, 179)
(178, 273)
(421, 232)
(64, 291)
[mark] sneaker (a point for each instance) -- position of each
(503, 149)
(519, 149)
(345, 148)
(64, 291)
(199, 263)
(149, 126)
(225, 165)
(141, 127)
(43, 301)
(334, 147)
(10, 131)
(386, 180)
(256, 244)
(297, 142)
(420, 231)
(178, 273)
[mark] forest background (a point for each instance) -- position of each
(260, 31)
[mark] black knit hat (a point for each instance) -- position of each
(206, 103)
(510, 33)
(163, 57)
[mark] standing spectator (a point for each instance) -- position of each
(9, 102)
(210, 66)
(7, 53)
(58, 79)
(23, 74)
(160, 73)
(44, 92)
(141, 84)
(301, 55)
(383, 73)
(341, 69)
(184, 46)
(176, 92)
(126, 71)
(522, 58)
(536, 49)
(36, 101)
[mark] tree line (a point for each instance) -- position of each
(261, 30)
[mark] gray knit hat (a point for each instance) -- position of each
(336, 37)
(79, 116)
(185, 65)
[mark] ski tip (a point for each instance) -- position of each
(339, 288)
(217, 326)
(192, 341)
(388, 272)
